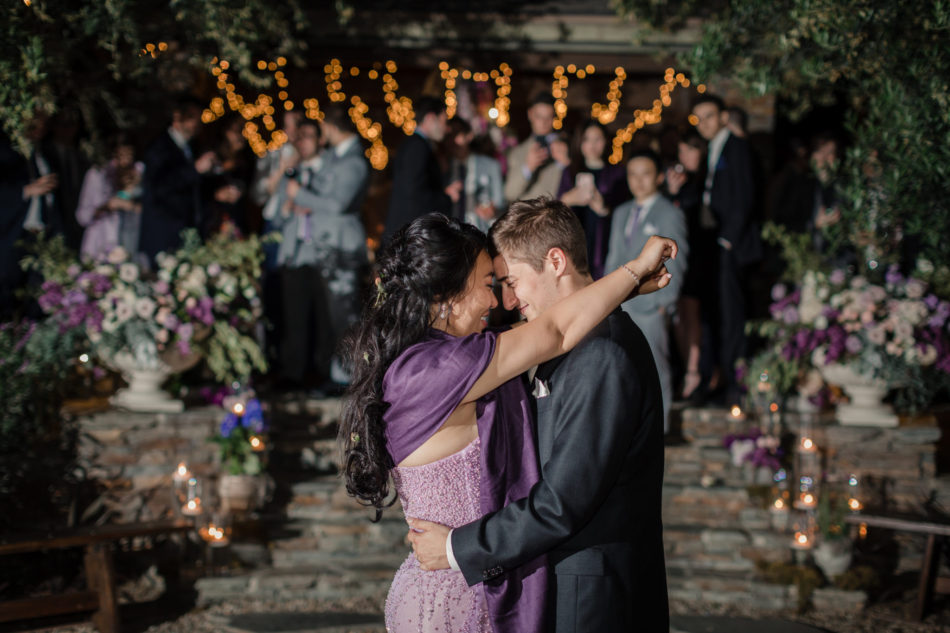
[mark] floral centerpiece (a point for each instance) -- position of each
(201, 301)
(893, 331)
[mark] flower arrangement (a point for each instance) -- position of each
(895, 330)
(756, 448)
(202, 298)
(241, 435)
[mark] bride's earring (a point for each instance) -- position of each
(444, 311)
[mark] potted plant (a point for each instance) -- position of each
(242, 443)
(833, 552)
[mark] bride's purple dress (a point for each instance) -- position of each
(447, 492)
(423, 386)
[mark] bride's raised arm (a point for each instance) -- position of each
(558, 329)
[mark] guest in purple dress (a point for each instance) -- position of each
(110, 205)
(437, 403)
(593, 188)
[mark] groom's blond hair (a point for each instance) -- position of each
(531, 228)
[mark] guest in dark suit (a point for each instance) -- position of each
(730, 194)
(596, 510)
(417, 177)
(29, 205)
(171, 192)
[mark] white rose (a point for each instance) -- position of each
(128, 272)
(144, 307)
(117, 255)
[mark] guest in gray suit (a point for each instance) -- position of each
(649, 213)
(323, 250)
(482, 196)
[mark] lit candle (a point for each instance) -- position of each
(214, 536)
(736, 412)
(192, 505)
(801, 541)
(854, 504)
(807, 500)
(257, 443)
(778, 505)
(807, 445)
(238, 408)
(181, 473)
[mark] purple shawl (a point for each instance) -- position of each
(423, 386)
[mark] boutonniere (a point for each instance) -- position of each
(649, 229)
(540, 389)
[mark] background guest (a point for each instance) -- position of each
(28, 206)
(481, 197)
(593, 188)
(417, 177)
(171, 193)
(110, 202)
(729, 193)
(535, 165)
(634, 222)
(684, 186)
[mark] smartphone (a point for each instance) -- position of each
(585, 182)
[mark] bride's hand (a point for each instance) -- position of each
(651, 283)
(653, 255)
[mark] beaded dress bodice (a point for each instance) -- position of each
(447, 492)
(444, 491)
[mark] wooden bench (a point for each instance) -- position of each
(100, 595)
(930, 582)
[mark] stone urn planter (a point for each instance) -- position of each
(144, 368)
(239, 493)
(866, 394)
(833, 557)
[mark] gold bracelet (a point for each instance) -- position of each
(636, 277)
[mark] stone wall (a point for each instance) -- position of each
(717, 528)
(132, 457)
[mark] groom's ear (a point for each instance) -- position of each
(558, 261)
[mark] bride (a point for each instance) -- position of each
(437, 405)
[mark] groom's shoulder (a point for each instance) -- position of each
(613, 339)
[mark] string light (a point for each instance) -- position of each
(501, 77)
(399, 109)
(641, 118)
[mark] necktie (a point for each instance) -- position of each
(633, 223)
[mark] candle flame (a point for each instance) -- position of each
(779, 504)
(182, 469)
(863, 530)
(854, 504)
(773, 407)
(801, 538)
(735, 411)
(238, 408)
(807, 443)
(808, 498)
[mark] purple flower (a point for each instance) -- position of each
(778, 292)
(853, 344)
(790, 315)
(931, 301)
(161, 287)
(183, 348)
(228, 424)
(893, 275)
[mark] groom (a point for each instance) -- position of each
(596, 510)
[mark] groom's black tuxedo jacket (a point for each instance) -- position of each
(596, 510)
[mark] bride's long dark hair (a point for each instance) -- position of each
(426, 262)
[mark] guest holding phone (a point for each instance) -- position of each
(593, 188)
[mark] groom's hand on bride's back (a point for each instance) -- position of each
(428, 541)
